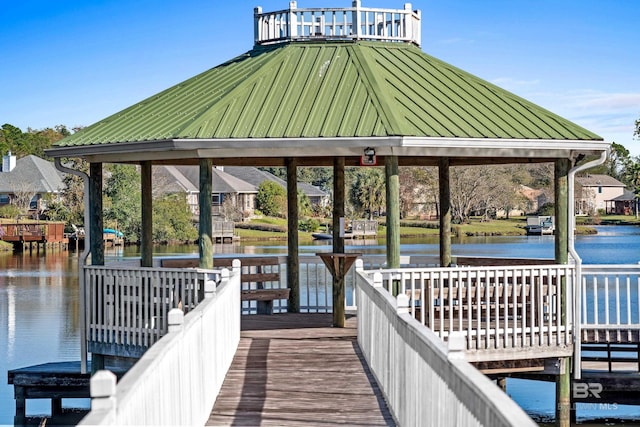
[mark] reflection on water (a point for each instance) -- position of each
(39, 299)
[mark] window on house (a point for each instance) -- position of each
(33, 204)
(600, 190)
(215, 199)
(4, 199)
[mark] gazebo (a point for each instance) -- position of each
(331, 87)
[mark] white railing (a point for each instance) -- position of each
(610, 302)
(127, 307)
(177, 380)
(496, 308)
(423, 382)
(316, 281)
(354, 23)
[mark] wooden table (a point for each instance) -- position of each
(338, 265)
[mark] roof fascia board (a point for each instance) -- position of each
(184, 149)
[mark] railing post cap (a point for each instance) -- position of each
(377, 279)
(209, 288)
(359, 264)
(175, 317)
(457, 344)
(225, 273)
(103, 384)
(402, 303)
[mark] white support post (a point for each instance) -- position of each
(209, 288)
(355, 29)
(236, 265)
(257, 25)
(457, 345)
(103, 394)
(293, 20)
(175, 320)
(377, 280)
(402, 303)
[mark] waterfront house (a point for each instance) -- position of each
(318, 198)
(28, 182)
(344, 87)
(593, 192)
(238, 186)
(624, 204)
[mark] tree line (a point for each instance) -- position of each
(475, 190)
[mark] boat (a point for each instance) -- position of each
(540, 225)
(322, 236)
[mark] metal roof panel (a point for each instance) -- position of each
(329, 90)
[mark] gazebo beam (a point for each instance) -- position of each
(445, 211)
(393, 211)
(562, 203)
(146, 246)
(293, 279)
(338, 204)
(205, 245)
(95, 208)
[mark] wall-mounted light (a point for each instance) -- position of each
(368, 157)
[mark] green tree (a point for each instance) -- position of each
(304, 204)
(172, 219)
(272, 199)
(367, 191)
(122, 201)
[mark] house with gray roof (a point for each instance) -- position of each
(255, 176)
(593, 191)
(26, 181)
(236, 185)
(239, 195)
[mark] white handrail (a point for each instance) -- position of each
(354, 23)
(177, 381)
(496, 308)
(421, 379)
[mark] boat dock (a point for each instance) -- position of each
(296, 369)
(41, 234)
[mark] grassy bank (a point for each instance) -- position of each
(275, 228)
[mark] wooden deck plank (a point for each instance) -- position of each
(296, 369)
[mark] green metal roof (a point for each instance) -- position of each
(331, 90)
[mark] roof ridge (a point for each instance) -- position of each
(374, 88)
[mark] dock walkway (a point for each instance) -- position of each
(295, 369)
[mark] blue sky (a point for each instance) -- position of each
(74, 62)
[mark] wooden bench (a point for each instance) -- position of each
(256, 271)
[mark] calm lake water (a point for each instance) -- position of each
(39, 310)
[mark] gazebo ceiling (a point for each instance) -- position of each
(317, 100)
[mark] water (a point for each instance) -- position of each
(39, 311)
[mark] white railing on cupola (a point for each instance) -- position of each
(352, 23)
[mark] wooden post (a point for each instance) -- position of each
(563, 381)
(338, 204)
(445, 212)
(338, 295)
(393, 211)
(146, 247)
(95, 208)
(293, 281)
(338, 240)
(205, 244)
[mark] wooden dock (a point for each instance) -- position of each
(295, 369)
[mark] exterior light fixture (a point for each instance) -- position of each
(368, 157)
